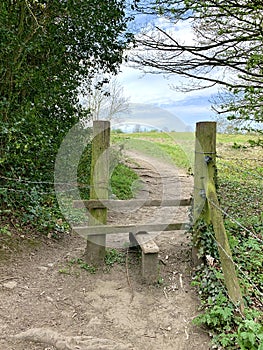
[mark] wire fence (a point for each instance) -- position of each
(240, 188)
(248, 172)
(229, 257)
(12, 183)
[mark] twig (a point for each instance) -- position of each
(8, 279)
(127, 274)
(165, 294)
(181, 281)
(32, 13)
(187, 335)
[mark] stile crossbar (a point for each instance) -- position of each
(117, 229)
(130, 204)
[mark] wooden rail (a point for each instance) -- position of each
(86, 231)
(130, 204)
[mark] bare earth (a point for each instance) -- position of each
(60, 306)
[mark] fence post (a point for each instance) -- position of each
(205, 146)
(95, 249)
(206, 206)
(225, 254)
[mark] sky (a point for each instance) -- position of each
(155, 89)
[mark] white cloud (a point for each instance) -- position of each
(152, 116)
(181, 30)
(156, 89)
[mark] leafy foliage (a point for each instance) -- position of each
(113, 256)
(47, 50)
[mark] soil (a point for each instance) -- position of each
(62, 306)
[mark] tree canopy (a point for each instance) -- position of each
(227, 49)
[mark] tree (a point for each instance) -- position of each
(47, 48)
(137, 128)
(104, 98)
(227, 49)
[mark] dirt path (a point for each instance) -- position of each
(40, 288)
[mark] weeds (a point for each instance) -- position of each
(113, 256)
(83, 265)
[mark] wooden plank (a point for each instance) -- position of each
(131, 204)
(143, 239)
(150, 261)
(117, 229)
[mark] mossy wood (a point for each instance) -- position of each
(95, 249)
(206, 206)
(205, 151)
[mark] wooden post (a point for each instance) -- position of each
(206, 206)
(225, 254)
(205, 150)
(95, 249)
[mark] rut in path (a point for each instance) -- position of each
(45, 288)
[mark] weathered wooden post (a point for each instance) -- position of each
(205, 146)
(206, 206)
(225, 254)
(95, 249)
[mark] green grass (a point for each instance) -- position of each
(124, 182)
(176, 148)
(236, 138)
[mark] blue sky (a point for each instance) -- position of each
(155, 89)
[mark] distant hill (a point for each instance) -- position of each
(150, 117)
